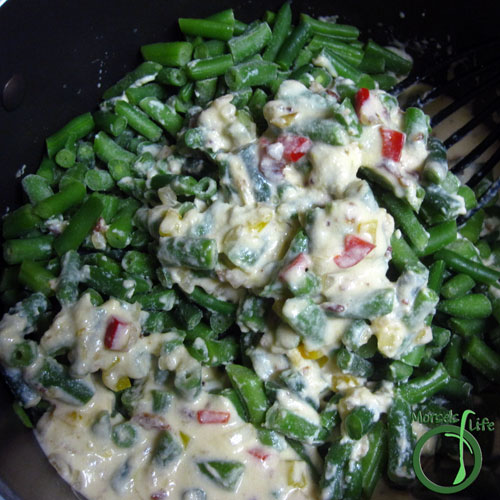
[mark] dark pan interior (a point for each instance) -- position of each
(67, 53)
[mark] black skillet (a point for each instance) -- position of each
(57, 57)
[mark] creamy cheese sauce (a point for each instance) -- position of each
(264, 199)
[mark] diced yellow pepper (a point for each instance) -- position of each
(309, 354)
(123, 383)
(369, 227)
(340, 382)
(297, 476)
(322, 361)
(184, 438)
(283, 121)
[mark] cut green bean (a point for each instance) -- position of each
(72, 195)
(206, 28)
(75, 129)
(281, 27)
(162, 114)
(484, 359)
(109, 151)
(168, 53)
(334, 30)
(292, 45)
(473, 306)
(138, 120)
(38, 248)
(249, 43)
(79, 226)
(393, 61)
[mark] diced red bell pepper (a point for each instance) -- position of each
(362, 96)
(300, 264)
(213, 417)
(117, 334)
(294, 147)
(355, 250)
(259, 453)
(392, 144)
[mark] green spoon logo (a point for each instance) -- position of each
(465, 438)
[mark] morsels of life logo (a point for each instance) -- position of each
(465, 441)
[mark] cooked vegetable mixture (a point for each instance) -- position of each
(233, 291)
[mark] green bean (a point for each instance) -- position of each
(157, 300)
(225, 473)
(119, 231)
(467, 327)
(374, 304)
(324, 130)
(457, 286)
(393, 61)
(79, 226)
(359, 421)
(110, 123)
(250, 388)
(49, 171)
(37, 188)
(250, 74)
(436, 163)
(337, 66)
(349, 54)
(472, 228)
(206, 28)
(293, 425)
(109, 151)
(136, 94)
(144, 73)
(124, 435)
(332, 482)
(23, 354)
(36, 277)
(204, 91)
(194, 253)
(72, 390)
(159, 322)
(214, 352)
(372, 464)
(436, 275)
(421, 388)
(75, 129)
(402, 254)
(401, 442)
(334, 30)
(468, 195)
(350, 362)
(73, 194)
(456, 390)
(372, 63)
(168, 53)
(250, 42)
(270, 17)
(162, 114)
(238, 404)
(20, 222)
(398, 372)
(187, 381)
(281, 27)
(97, 179)
(38, 248)
(32, 308)
(482, 358)
(166, 449)
(439, 236)
(67, 283)
(138, 120)
(473, 306)
(292, 45)
(201, 69)
(406, 219)
(306, 318)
